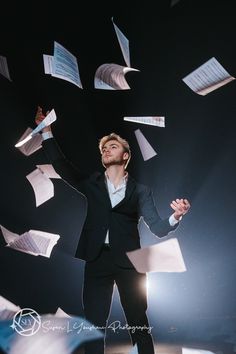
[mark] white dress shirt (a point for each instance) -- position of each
(116, 194)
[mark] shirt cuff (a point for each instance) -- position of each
(47, 135)
(173, 221)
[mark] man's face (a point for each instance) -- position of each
(113, 154)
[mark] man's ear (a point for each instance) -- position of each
(125, 156)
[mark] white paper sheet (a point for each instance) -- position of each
(34, 144)
(34, 242)
(149, 120)
(48, 170)
(112, 77)
(165, 256)
(146, 149)
(208, 77)
(65, 65)
(48, 64)
(42, 186)
(61, 313)
(124, 44)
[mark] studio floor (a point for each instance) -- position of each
(165, 348)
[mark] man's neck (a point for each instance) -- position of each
(115, 174)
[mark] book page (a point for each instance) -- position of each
(8, 235)
(48, 120)
(146, 149)
(61, 313)
(111, 77)
(48, 170)
(45, 241)
(34, 144)
(124, 44)
(165, 256)
(42, 186)
(34, 242)
(65, 65)
(25, 244)
(149, 120)
(48, 63)
(208, 77)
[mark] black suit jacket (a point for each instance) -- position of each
(121, 221)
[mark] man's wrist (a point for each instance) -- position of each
(173, 221)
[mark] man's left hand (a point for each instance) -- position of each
(180, 207)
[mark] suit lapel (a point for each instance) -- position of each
(129, 190)
(100, 181)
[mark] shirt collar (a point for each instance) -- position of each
(123, 180)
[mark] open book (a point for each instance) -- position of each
(7, 309)
(34, 242)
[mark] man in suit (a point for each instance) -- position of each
(115, 204)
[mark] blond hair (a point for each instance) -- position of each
(114, 136)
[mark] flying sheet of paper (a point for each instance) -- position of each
(146, 149)
(48, 64)
(53, 335)
(34, 144)
(61, 313)
(134, 350)
(208, 77)
(165, 256)
(34, 242)
(62, 65)
(7, 309)
(149, 120)
(195, 351)
(48, 170)
(112, 77)
(4, 71)
(42, 186)
(48, 120)
(124, 44)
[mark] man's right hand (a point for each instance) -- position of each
(39, 117)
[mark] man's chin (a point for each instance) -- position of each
(112, 163)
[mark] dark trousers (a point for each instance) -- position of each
(100, 276)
